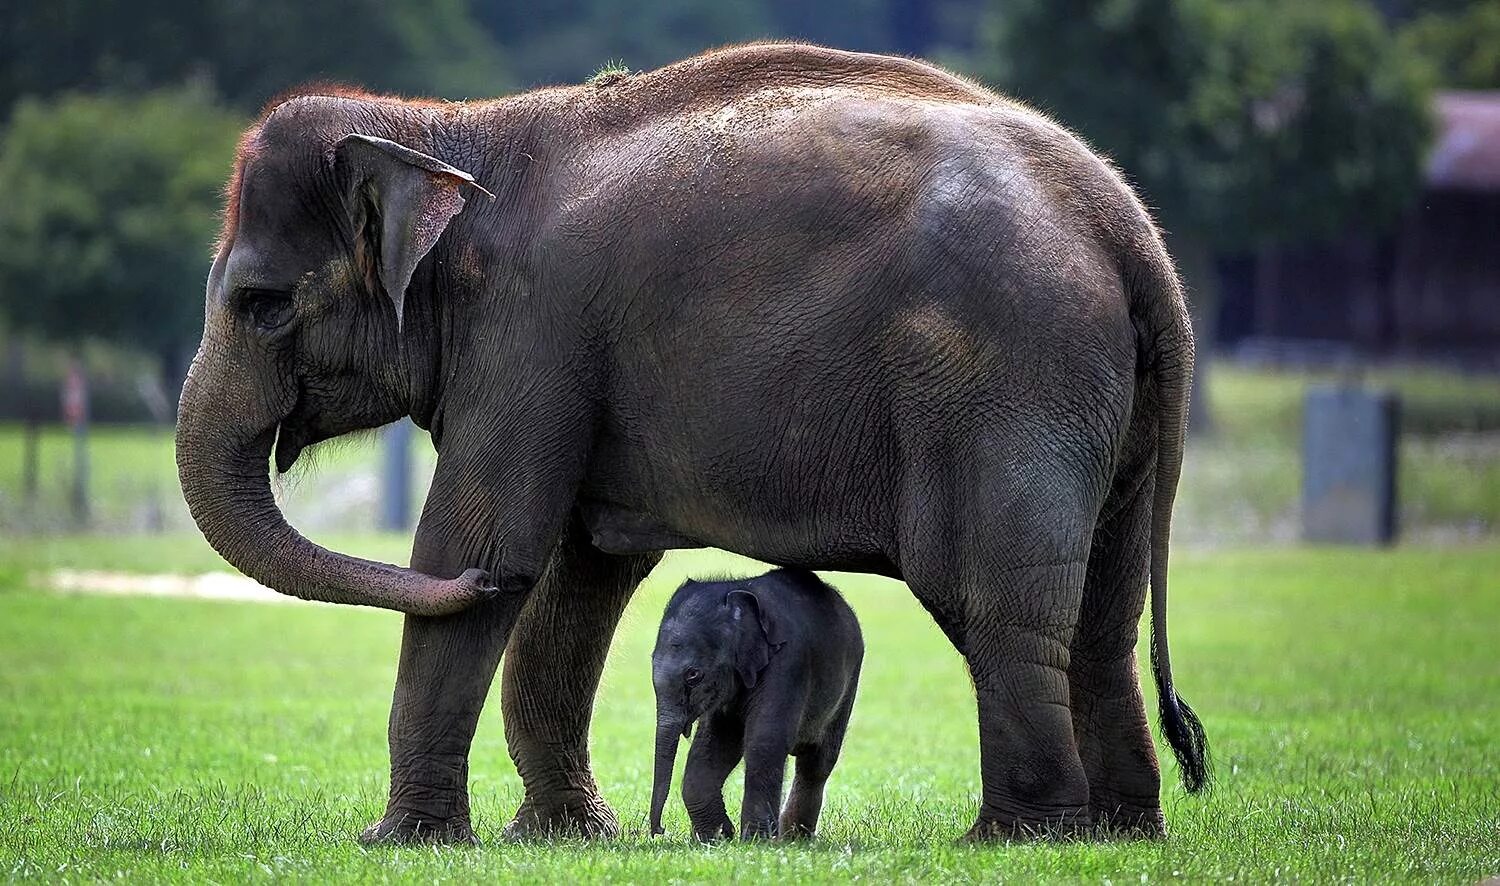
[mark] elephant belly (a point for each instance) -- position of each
(790, 511)
(619, 530)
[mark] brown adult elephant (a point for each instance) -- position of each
(828, 310)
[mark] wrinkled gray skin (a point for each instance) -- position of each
(828, 310)
(767, 667)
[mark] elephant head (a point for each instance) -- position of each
(711, 649)
(333, 205)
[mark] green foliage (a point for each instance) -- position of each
(247, 51)
(109, 212)
(1246, 123)
(1462, 44)
(558, 41)
(562, 40)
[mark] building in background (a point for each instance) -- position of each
(1429, 289)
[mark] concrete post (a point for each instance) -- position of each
(395, 478)
(75, 411)
(1349, 465)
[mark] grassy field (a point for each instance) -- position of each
(1351, 698)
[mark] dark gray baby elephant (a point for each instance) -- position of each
(769, 665)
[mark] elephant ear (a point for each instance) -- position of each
(400, 203)
(757, 635)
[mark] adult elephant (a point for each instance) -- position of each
(828, 310)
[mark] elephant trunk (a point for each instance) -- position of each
(668, 730)
(225, 476)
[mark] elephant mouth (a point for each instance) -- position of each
(290, 441)
(295, 433)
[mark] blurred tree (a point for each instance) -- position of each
(1244, 124)
(564, 41)
(862, 25)
(1460, 41)
(247, 49)
(913, 28)
(1248, 123)
(1403, 10)
(109, 211)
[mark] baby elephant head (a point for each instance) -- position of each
(715, 642)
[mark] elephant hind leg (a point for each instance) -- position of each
(1109, 711)
(1034, 783)
(804, 804)
(1009, 581)
(551, 674)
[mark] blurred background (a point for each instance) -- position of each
(1328, 175)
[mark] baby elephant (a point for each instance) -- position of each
(770, 666)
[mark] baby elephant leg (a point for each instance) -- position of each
(765, 772)
(799, 819)
(714, 753)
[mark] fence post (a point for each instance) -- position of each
(31, 443)
(395, 478)
(1349, 465)
(75, 410)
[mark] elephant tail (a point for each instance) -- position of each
(1167, 356)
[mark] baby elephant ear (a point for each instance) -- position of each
(400, 203)
(757, 635)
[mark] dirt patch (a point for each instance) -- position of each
(208, 586)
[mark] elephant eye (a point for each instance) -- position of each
(692, 676)
(268, 309)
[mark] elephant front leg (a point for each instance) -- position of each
(716, 750)
(446, 668)
(768, 742)
(447, 664)
(552, 670)
(765, 776)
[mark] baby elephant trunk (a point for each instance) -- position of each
(668, 730)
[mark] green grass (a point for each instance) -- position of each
(1351, 698)
(26, 558)
(609, 72)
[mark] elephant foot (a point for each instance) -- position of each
(399, 827)
(1005, 828)
(753, 831)
(575, 815)
(1123, 822)
(713, 832)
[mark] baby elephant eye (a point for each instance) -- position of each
(692, 676)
